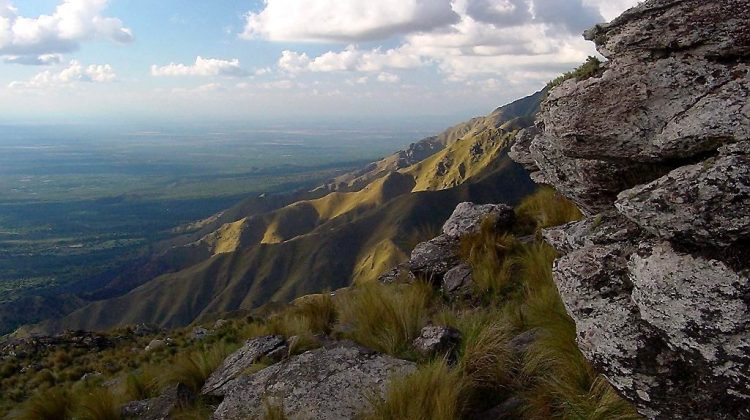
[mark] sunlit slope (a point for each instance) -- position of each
(520, 112)
(329, 257)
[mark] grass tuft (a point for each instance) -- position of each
(52, 404)
(586, 70)
(546, 208)
(433, 392)
(193, 369)
(386, 318)
(99, 404)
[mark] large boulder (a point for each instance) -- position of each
(327, 384)
(654, 149)
(468, 218)
(432, 259)
(253, 351)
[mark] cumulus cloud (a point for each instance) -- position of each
(388, 78)
(345, 21)
(27, 40)
(350, 59)
(525, 40)
(202, 67)
(68, 76)
(31, 60)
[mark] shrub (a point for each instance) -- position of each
(586, 70)
(192, 369)
(546, 208)
(386, 318)
(53, 404)
(490, 254)
(486, 360)
(142, 385)
(98, 404)
(433, 392)
(273, 410)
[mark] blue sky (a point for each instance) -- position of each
(84, 60)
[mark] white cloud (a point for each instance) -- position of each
(202, 67)
(388, 78)
(68, 76)
(526, 41)
(350, 59)
(23, 39)
(345, 21)
(31, 60)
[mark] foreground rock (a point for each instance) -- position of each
(327, 383)
(655, 150)
(271, 348)
(161, 407)
(437, 340)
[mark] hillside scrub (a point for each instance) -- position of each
(589, 68)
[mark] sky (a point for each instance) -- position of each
(232, 60)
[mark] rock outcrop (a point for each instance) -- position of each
(655, 149)
(438, 260)
(326, 383)
(272, 348)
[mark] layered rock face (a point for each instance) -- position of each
(655, 149)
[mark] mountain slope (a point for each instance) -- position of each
(326, 242)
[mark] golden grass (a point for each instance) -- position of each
(386, 318)
(193, 368)
(433, 392)
(491, 256)
(98, 404)
(546, 208)
(52, 404)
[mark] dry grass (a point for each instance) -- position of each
(193, 368)
(98, 404)
(491, 256)
(546, 208)
(53, 404)
(433, 392)
(386, 318)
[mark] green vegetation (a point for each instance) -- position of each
(588, 69)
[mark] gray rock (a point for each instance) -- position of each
(161, 407)
(703, 204)
(519, 344)
(458, 281)
(467, 218)
(519, 152)
(272, 347)
(432, 259)
(326, 383)
(657, 28)
(651, 277)
(434, 340)
(398, 274)
(219, 324)
(199, 333)
(156, 344)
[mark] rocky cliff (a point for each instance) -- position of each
(654, 149)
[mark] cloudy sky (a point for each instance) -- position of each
(235, 59)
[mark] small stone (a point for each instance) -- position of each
(156, 344)
(437, 340)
